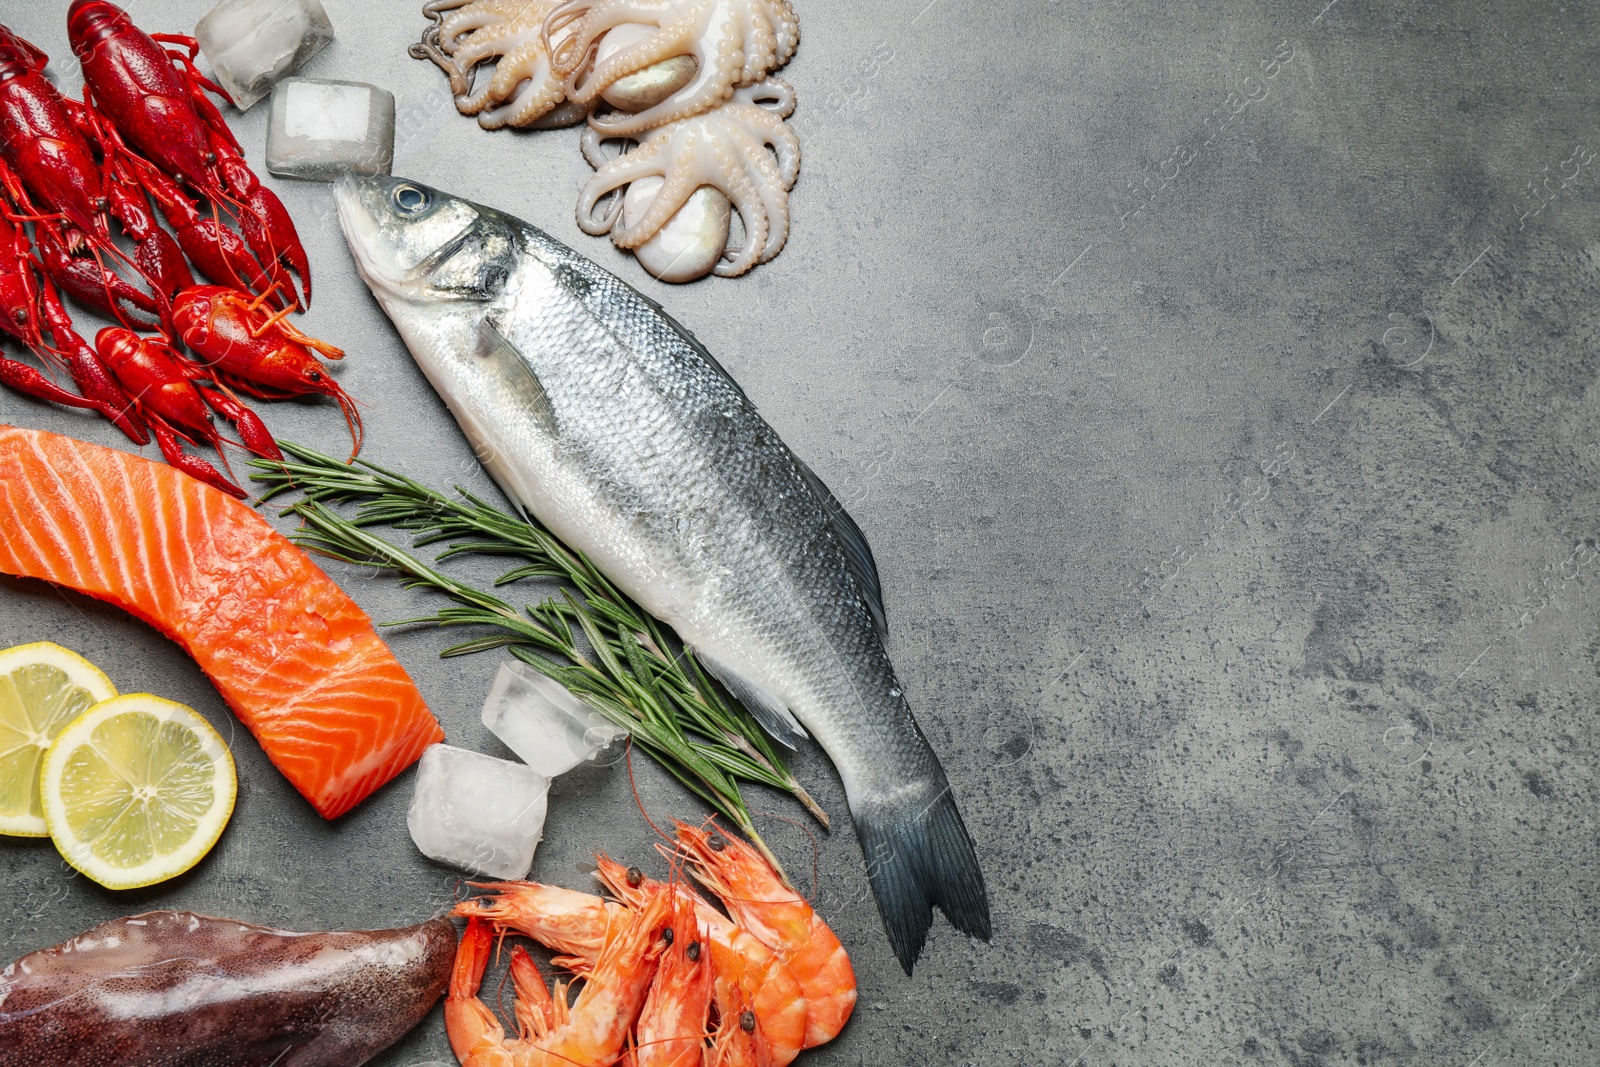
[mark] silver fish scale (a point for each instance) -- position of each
(686, 458)
(618, 431)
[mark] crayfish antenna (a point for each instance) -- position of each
(352, 419)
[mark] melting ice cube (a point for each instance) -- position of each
(538, 719)
(476, 812)
(254, 44)
(320, 129)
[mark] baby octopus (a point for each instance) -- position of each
(744, 150)
(685, 79)
(733, 43)
(522, 89)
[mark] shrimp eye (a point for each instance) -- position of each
(693, 951)
(666, 934)
(635, 877)
(717, 844)
(410, 199)
(315, 376)
(747, 1021)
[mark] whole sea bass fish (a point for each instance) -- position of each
(175, 989)
(615, 428)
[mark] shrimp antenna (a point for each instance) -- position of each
(816, 848)
(627, 757)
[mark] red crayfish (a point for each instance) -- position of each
(146, 132)
(156, 100)
(238, 343)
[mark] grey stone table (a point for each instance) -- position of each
(1217, 386)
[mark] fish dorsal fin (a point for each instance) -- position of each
(768, 710)
(512, 371)
(694, 342)
(856, 549)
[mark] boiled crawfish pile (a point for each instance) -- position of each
(146, 145)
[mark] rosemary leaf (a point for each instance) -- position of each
(625, 668)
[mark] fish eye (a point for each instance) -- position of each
(410, 200)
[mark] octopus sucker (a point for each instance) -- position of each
(686, 83)
(522, 89)
(733, 43)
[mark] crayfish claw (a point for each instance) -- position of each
(195, 467)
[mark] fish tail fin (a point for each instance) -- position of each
(919, 854)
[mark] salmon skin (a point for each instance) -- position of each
(296, 659)
(175, 989)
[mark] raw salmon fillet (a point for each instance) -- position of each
(295, 658)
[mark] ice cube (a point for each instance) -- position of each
(476, 812)
(254, 44)
(538, 719)
(320, 129)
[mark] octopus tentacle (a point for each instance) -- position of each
(532, 99)
(589, 21)
(733, 42)
(433, 8)
(496, 43)
(774, 90)
(747, 202)
(767, 124)
(616, 173)
(674, 40)
(482, 14)
(524, 78)
(589, 145)
(770, 187)
(428, 48)
(677, 187)
(509, 35)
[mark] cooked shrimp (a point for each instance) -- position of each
(743, 965)
(737, 1042)
(592, 1032)
(672, 1028)
(577, 924)
(759, 901)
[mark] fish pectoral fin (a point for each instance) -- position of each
(768, 710)
(508, 367)
(856, 550)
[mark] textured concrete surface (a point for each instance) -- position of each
(1217, 386)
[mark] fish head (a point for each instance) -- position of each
(415, 244)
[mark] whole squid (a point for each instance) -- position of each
(175, 989)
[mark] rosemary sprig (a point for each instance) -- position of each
(624, 667)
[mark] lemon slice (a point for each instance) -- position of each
(136, 790)
(42, 688)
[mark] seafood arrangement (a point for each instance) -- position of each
(601, 416)
(175, 989)
(146, 145)
(689, 85)
(296, 658)
(668, 979)
(688, 541)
